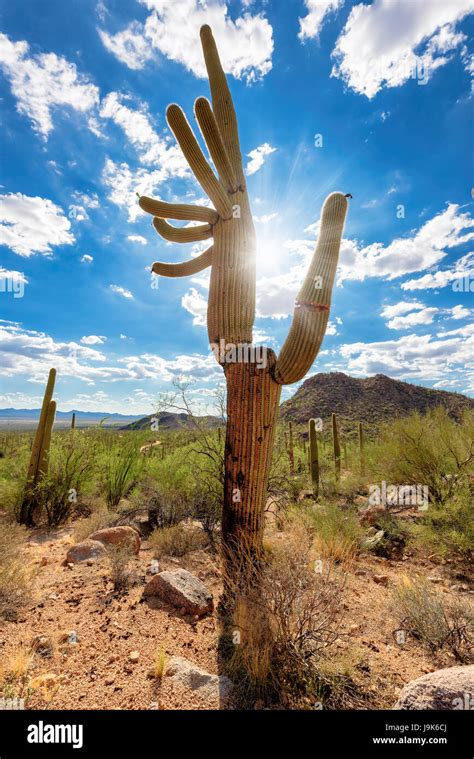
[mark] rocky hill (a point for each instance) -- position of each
(371, 400)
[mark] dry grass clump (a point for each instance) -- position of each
(119, 558)
(425, 615)
(99, 519)
(159, 663)
(177, 540)
(15, 577)
(285, 619)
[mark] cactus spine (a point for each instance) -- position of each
(253, 387)
(336, 447)
(314, 457)
(40, 449)
(361, 449)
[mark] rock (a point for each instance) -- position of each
(134, 656)
(109, 680)
(435, 579)
(371, 514)
(186, 674)
(181, 589)
(122, 536)
(88, 549)
(44, 561)
(381, 579)
(373, 540)
(304, 494)
(153, 568)
(444, 689)
(42, 645)
(360, 572)
(69, 637)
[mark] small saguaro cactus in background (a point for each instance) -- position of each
(73, 421)
(336, 447)
(314, 457)
(344, 448)
(40, 451)
(254, 380)
(290, 449)
(361, 449)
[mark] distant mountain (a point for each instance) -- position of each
(21, 418)
(170, 421)
(371, 400)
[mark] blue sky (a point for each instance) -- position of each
(374, 99)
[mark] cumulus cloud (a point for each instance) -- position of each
(31, 225)
(462, 268)
(403, 307)
(384, 43)
(43, 82)
(92, 339)
(121, 291)
(257, 158)
(138, 239)
(311, 24)
(86, 259)
(124, 183)
(172, 28)
(422, 316)
(196, 305)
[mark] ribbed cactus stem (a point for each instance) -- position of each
(344, 448)
(336, 447)
(48, 428)
(361, 449)
(38, 439)
(73, 421)
(314, 457)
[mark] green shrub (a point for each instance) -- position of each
(177, 540)
(121, 470)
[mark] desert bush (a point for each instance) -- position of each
(15, 578)
(206, 507)
(338, 533)
(448, 527)
(427, 616)
(287, 614)
(177, 540)
(121, 470)
(119, 558)
(69, 467)
(431, 450)
(166, 506)
(99, 519)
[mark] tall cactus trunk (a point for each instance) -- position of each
(361, 449)
(252, 409)
(314, 457)
(336, 447)
(291, 450)
(73, 421)
(36, 457)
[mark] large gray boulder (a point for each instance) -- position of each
(181, 589)
(446, 689)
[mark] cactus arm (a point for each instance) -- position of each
(193, 266)
(37, 443)
(314, 299)
(222, 103)
(182, 234)
(181, 129)
(211, 133)
(48, 428)
(179, 211)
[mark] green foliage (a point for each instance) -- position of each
(449, 527)
(121, 471)
(177, 540)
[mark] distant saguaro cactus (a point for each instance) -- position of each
(254, 379)
(40, 450)
(290, 449)
(336, 447)
(314, 457)
(73, 421)
(361, 449)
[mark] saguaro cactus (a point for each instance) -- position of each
(361, 449)
(290, 449)
(40, 449)
(336, 448)
(253, 379)
(73, 421)
(314, 457)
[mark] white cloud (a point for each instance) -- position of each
(43, 82)
(459, 312)
(265, 218)
(463, 267)
(382, 44)
(130, 46)
(403, 307)
(92, 339)
(172, 28)
(411, 357)
(86, 259)
(257, 158)
(124, 183)
(121, 291)
(31, 225)
(425, 248)
(423, 316)
(194, 302)
(139, 131)
(138, 239)
(311, 24)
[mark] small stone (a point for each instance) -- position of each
(360, 572)
(381, 579)
(153, 568)
(109, 680)
(44, 561)
(42, 645)
(134, 656)
(435, 579)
